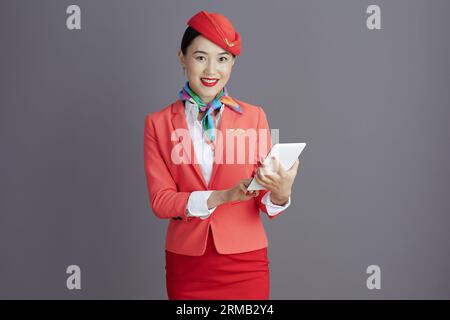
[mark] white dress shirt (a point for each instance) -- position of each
(198, 200)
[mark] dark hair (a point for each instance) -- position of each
(189, 35)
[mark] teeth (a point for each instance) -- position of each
(209, 81)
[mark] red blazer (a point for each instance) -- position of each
(236, 226)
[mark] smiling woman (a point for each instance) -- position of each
(208, 67)
(216, 246)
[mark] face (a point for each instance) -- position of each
(208, 67)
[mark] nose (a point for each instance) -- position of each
(211, 67)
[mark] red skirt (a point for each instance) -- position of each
(215, 276)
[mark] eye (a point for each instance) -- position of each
(225, 59)
(199, 57)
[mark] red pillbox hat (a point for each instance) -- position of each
(218, 29)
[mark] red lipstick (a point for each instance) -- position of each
(210, 82)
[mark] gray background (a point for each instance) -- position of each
(373, 106)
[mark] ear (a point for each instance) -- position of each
(181, 57)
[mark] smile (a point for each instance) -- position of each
(209, 82)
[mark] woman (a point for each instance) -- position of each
(216, 246)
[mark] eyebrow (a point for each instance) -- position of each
(199, 51)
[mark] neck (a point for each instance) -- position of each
(207, 100)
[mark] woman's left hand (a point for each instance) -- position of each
(277, 180)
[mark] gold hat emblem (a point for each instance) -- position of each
(228, 43)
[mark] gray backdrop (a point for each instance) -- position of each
(373, 185)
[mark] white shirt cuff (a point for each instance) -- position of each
(273, 209)
(198, 204)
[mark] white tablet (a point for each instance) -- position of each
(286, 153)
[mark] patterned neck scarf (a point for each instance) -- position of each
(209, 119)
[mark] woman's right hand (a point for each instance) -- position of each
(239, 191)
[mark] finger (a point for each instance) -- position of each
(264, 161)
(267, 174)
(246, 182)
(258, 179)
(262, 180)
(249, 193)
(277, 167)
(261, 159)
(265, 169)
(268, 167)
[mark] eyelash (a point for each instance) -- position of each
(220, 58)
